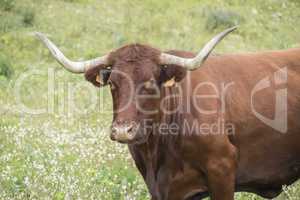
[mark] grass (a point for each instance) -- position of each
(65, 153)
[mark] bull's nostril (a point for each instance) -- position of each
(113, 133)
(112, 137)
(113, 130)
(123, 132)
(130, 129)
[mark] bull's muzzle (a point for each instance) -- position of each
(123, 133)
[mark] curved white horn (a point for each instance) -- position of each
(75, 67)
(194, 63)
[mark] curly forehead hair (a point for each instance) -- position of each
(135, 53)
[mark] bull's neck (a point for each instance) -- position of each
(162, 148)
(164, 142)
(170, 106)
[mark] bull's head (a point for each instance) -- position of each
(133, 71)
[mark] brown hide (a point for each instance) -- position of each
(192, 164)
(230, 125)
(266, 159)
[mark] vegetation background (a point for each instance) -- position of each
(65, 153)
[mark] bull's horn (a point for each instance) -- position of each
(75, 67)
(194, 63)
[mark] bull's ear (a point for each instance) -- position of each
(98, 76)
(170, 74)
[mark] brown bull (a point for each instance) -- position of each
(198, 129)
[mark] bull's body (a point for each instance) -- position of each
(256, 157)
(258, 95)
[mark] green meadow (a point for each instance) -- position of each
(54, 140)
